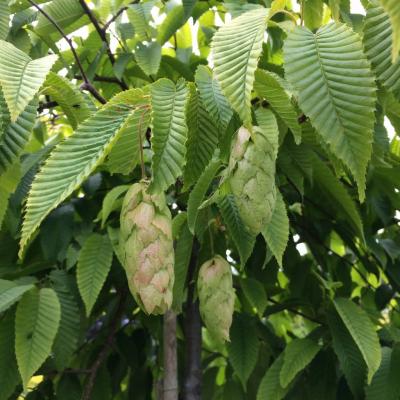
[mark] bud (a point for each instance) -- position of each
(147, 248)
(252, 178)
(216, 296)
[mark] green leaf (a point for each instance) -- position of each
(169, 132)
(8, 183)
(66, 341)
(109, 201)
(276, 233)
(392, 7)
(9, 377)
(125, 154)
(148, 57)
(270, 387)
(174, 20)
(202, 139)
(362, 331)
(212, 98)
(183, 252)
(68, 97)
(4, 19)
(243, 240)
(71, 162)
(139, 16)
(10, 293)
(313, 13)
(377, 40)
(68, 14)
(94, 264)
(243, 347)
(16, 135)
(198, 192)
(336, 195)
(236, 48)
(298, 354)
(272, 88)
(21, 77)
(385, 383)
(336, 91)
(349, 355)
(255, 294)
(36, 324)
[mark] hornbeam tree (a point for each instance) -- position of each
(199, 199)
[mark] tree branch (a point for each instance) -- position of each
(107, 346)
(192, 380)
(170, 381)
(103, 36)
(86, 85)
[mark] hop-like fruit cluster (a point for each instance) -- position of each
(252, 178)
(147, 248)
(217, 296)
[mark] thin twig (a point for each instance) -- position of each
(103, 36)
(120, 11)
(107, 346)
(294, 311)
(86, 85)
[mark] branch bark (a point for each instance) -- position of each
(170, 381)
(103, 36)
(192, 382)
(86, 82)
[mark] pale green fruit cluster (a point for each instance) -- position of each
(251, 177)
(216, 296)
(147, 248)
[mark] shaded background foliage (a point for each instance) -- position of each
(316, 310)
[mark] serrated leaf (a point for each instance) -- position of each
(174, 20)
(243, 347)
(138, 16)
(392, 7)
(109, 201)
(197, 194)
(16, 135)
(21, 77)
(378, 46)
(385, 383)
(236, 48)
(72, 160)
(270, 387)
(68, 14)
(125, 153)
(148, 57)
(183, 252)
(66, 341)
(9, 377)
(276, 233)
(336, 91)
(10, 293)
(36, 324)
(68, 97)
(94, 264)
(298, 354)
(272, 88)
(212, 98)
(4, 19)
(202, 139)
(337, 195)
(350, 357)
(243, 240)
(362, 331)
(169, 132)
(255, 294)
(313, 13)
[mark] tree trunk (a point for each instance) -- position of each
(193, 372)
(170, 381)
